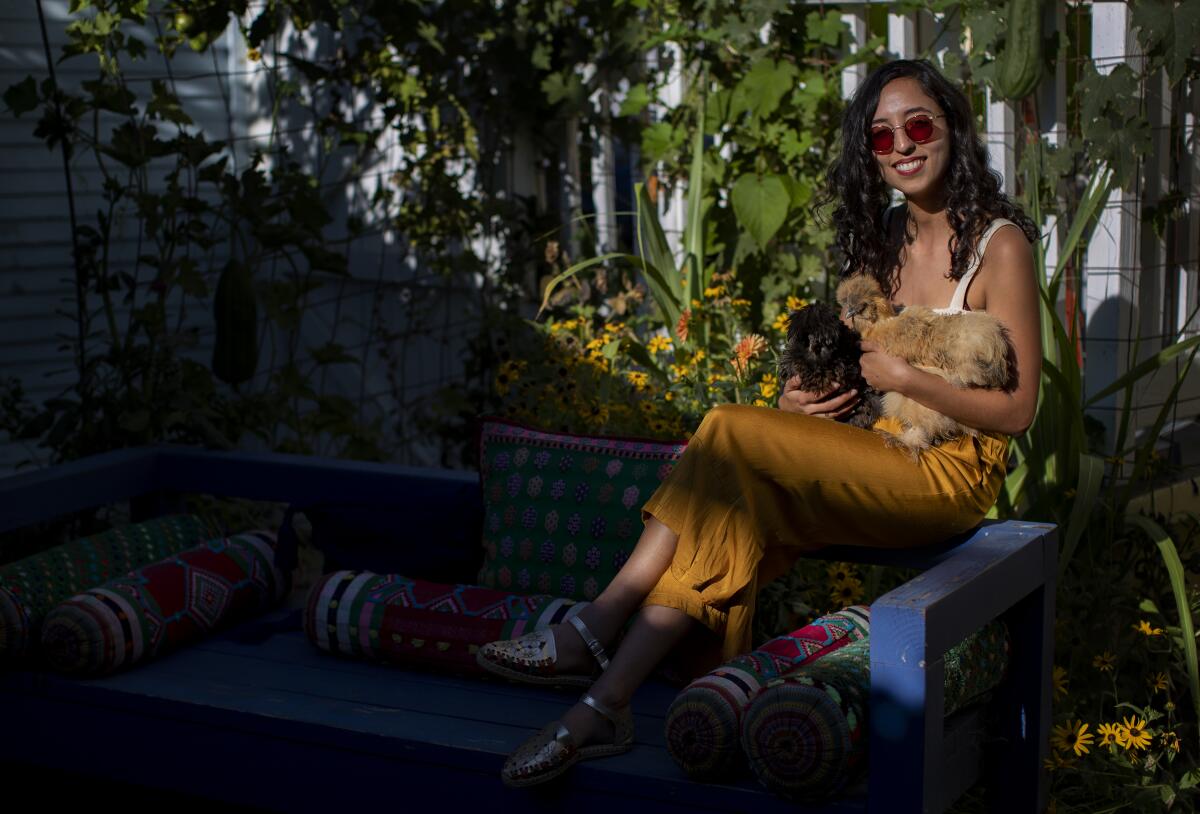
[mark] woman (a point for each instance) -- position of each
(757, 488)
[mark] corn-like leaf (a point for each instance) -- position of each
(1169, 405)
(652, 242)
(1143, 369)
(694, 228)
(1093, 201)
(1170, 555)
(1087, 489)
(571, 272)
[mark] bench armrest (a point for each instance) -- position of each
(1005, 570)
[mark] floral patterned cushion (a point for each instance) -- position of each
(562, 512)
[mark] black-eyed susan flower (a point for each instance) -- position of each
(659, 344)
(846, 592)
(1158, 682)
(1105, 662)
(1133, 734)
(1108, 734)
(1170, 741)
(1060, 681)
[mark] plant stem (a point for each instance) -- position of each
(81, 315)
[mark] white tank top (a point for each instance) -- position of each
(959, 300)
(960, 293)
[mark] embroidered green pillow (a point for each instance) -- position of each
(562, 512)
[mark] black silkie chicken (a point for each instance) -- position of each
(822, 351)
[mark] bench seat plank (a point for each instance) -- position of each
(330, 724)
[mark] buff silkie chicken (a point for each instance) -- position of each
(967, 349)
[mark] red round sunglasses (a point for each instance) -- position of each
(918, 128)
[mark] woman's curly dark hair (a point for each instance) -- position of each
(854, 182)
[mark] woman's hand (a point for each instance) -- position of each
(822, 405)
(884, 372)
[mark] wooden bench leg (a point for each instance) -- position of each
(1025, 708)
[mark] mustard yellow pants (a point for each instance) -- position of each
(758, 487)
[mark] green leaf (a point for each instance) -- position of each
(1087, 489)
(22, 97)
(570, 273)
(1170, 555)
(693, 232)
(761, 205)
(1144, 369)
(764, 86)
(635, 100)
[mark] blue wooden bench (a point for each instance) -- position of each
(277, 724)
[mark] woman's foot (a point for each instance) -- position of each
(589, 729)
(564, 654)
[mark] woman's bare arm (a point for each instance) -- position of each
(1009, 293)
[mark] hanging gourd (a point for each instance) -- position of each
(235, 354)
(1020, 68)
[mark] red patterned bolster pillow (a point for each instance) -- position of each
(162, 606)
(391, 618)
(704, 723)
(31, 587)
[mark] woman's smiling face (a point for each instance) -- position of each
(913, 169)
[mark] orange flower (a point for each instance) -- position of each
(745, 350)
(681, 329)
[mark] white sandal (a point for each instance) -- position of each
(531, 659)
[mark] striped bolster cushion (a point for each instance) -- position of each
(805, 736)
(391, 618)
(31, 587)
(704, 723)
(164, 605)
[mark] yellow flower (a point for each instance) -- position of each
(712, 292)
(1072, 736)
(760, 403)
(638, 379)
(659, 344)
(1109, 733)
(1157, 682)
(1133, 734)
(769, 385)
(668, 396)
(847, 592)
(738, 302)
(1170, 741)
(614, 327)
(1104, 662)
(840, 572)
(1060, 681)
(507, 375)
(1144, 627)
(795, 303)
(565, 325)
(595, 344)
(781, 322)
(1056, 762)
(254, 55)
